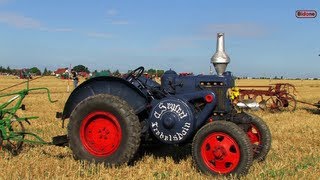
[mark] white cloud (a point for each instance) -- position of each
(112, 12)
(3, 1)
(112, 15)
(209, 32)
(61, 29)
(174, 43)
(119, 22)
(235, 29)
(55, 29)
(100, 35)
(23, 22)
(19, 21)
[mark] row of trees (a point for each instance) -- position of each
(37, 71)
(82, 68)
(155, 72)
(78, 68)
(151, 72)
(8, 70)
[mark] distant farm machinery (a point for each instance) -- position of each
(274, 97)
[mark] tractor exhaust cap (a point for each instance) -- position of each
(220, 59)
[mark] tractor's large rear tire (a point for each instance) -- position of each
(104, 129)
(222, 148)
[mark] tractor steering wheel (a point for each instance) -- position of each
(135, 74)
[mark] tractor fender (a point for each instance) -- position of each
(106, 85)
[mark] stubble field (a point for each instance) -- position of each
(295, 151)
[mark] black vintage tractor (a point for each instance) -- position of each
(111, 117)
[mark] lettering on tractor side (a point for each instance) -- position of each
(172, 108)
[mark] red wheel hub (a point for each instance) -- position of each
(255, 137)
(220, 152)
(100, 133)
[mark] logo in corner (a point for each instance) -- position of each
(306, 13)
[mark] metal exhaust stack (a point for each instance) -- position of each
(220, 59)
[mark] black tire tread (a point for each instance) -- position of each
(129, 118)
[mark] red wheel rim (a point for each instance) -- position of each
(254, 135)
(220, 152)
(255, 138)
(100, 133)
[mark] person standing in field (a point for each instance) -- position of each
(74, 78)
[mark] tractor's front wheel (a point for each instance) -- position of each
(104, 129)
(222, 148)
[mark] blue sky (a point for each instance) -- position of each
(263, 38)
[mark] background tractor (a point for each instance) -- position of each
(110, 117)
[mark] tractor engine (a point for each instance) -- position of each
(175, 84)
(219, 84)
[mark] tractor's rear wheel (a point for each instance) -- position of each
(222, 147)
(104, 129)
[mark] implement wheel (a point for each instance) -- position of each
(104, 129)
(289, 103)
(222, 147)
(14, 146)
(274, 104)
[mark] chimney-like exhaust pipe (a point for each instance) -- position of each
(220, 59)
